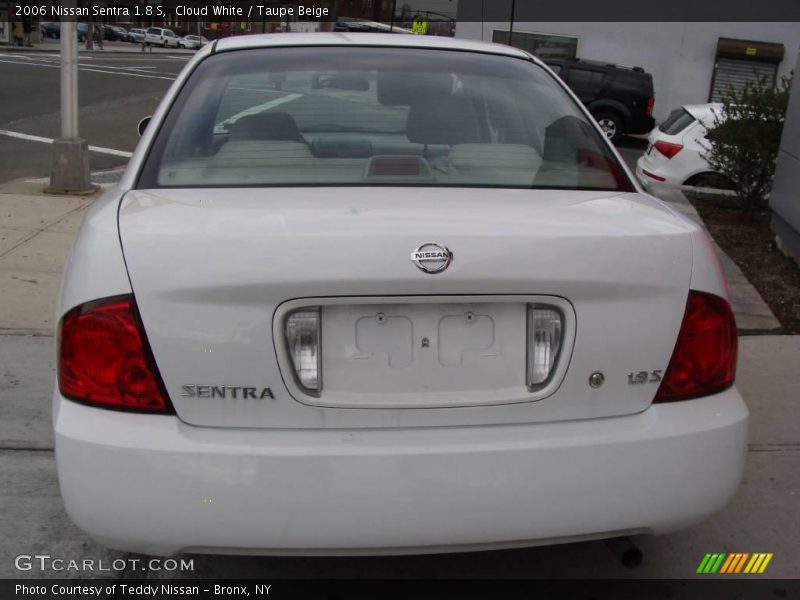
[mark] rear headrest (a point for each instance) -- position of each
(563, 137)
(442, 119)
(267, 126)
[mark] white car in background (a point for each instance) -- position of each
(192, 41)
(137, 36)
(676, 149)
(421, 308)
(160, 36)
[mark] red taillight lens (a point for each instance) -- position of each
(704, 360)
(104, 359)
(649, 107)
(668, 149)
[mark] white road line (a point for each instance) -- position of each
(92, 70)
(254, 110)
(44, 140)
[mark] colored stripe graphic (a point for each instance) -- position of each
(704, 563)
(740, 564)
(736, 562)
(727, 564)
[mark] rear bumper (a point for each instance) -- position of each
(155, 485)
(648, 174)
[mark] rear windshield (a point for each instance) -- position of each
(376, 116)
(677, 121)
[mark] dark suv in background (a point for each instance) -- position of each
(620, 98)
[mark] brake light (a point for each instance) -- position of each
(649, 106)
(704, 359)
(668, 149)
(104, 359)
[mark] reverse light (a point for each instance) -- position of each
(668, 149)
(544, 343)
(104, 359)
(303, 341)
(704, 359)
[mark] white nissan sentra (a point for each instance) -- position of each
(366, 294)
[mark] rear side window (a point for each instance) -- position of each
(633, 82)
(585, 79)
(677, 121)
(376, 117)
(154, 31)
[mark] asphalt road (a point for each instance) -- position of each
(115, 91)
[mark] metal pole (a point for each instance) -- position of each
(69, 80)
(69, 168)
(511, 26)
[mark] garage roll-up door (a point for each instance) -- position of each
(735, 73)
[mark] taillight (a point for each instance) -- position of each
(104, 359)
(544, 343)
(303, 340)
(704, 359)
(649, 106)
(668, 149)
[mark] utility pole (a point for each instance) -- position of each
(69, 171)
(511, 27)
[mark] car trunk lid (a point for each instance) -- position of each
(215, 272)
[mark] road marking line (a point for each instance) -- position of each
(254, 110)
(45, 140)
(55, 65)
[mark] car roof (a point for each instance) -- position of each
(344, 38)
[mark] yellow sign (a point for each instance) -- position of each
(751, 51)
(419, 25)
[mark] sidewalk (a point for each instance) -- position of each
(36, 233)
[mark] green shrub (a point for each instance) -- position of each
(744, 141)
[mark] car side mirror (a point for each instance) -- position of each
(143, 125)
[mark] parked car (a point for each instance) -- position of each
(114, 33)
(433, 312)
(136, 36)
(52, 29)
(192, 41)
(160, 36)
(620, 98)
(676, 149)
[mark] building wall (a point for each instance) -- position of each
(680, 56)
(785, 197)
